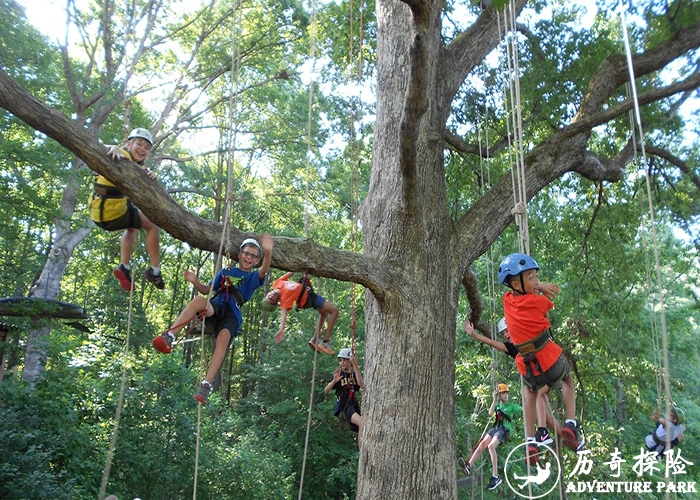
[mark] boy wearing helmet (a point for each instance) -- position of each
(233, 286)
(110, 209)
(539, 360)
(542, 436)
(286, 293)
(674, 423)
(505, 412)
(347, 381)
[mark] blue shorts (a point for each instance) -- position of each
(313, 300)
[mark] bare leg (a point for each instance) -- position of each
(479, 449)
(357, 420)
(152, 240)
(330, 311)
(217, 359)
(190, 311)
(568, 394)
(494, 456)
(126, 246)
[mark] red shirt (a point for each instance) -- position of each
(526, 317)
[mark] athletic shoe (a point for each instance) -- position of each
(466, 468)
(313, 343)
(203, 395)
(155, 279)
(124, 277)
(570, 436)
(532, 457)
(494, 483)
(325, 346)
(164, 342)
(542, 437)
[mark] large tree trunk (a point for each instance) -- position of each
(409, 433)
(48, 286)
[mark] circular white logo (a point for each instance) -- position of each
(532, 482)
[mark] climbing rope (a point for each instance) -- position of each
(657, 264)
(313, 27)
(231, 136)
(120, 402)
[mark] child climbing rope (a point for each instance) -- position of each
(505, 411)
(234, 286)
(286, 293)
(539, 360)
(347, 382)
(110, 209)
(656, 441)
(544, 415)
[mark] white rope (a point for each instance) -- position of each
(120, 403)
(226, 229)
(313, 28)
(652, 220)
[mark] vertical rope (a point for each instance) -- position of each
(313, 28)
(652, 221)
(231, 137)
(120, 403)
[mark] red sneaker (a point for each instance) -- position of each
(163, 343)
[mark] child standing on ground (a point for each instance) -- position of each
(234, 286)
(110, 209)
(286, 293)
(347, 382)
(539, 360)
(656, 441)
(505, 411)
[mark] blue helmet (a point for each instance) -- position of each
(513, 265)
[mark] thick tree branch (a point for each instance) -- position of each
(289, 254)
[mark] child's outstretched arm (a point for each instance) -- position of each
(267, 243)
(549, 290)
(469, 328)
(336, 377)
(356, 368)
(198, 285)
(280, 332)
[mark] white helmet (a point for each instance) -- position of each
(142, 133)
(250, 241)
(502, 325)
(345, 353)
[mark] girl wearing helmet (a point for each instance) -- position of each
(505, 412)
(111, 210)
(347, 382)
(671, 427)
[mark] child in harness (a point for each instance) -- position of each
(347, 382)
(656, 441)
(504, 411)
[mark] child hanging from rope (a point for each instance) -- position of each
(286, 293)
(234, 286)
(656, 441)
(347, 382)
(539, 360)
(110, 209)
(544, 415)
(505, 411)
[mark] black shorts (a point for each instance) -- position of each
(552, 377)
(223, 318)
(313, 300)
(130, 220)
(346, 413)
